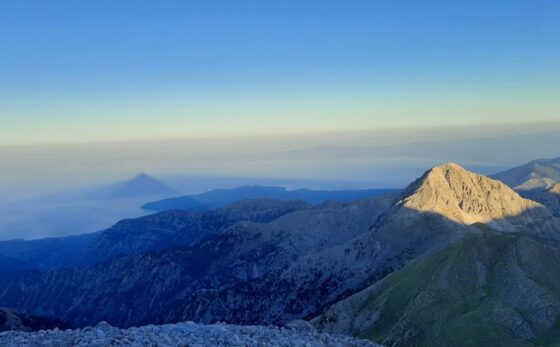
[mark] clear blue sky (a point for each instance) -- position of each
(123, 70)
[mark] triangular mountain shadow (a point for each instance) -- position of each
(140, 185)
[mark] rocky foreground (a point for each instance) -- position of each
(181, 334)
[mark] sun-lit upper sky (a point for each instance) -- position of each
(94, 71)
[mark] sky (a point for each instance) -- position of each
(117, 71)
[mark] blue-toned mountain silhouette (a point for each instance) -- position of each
(221, 197)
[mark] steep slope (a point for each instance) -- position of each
(13, 320)
(220, 197)
(539, 174)
(489, 289)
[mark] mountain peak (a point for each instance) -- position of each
(464, 197)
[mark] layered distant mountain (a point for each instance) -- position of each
(14, 320)
(539, 174)
(220, 197)
(538, 180)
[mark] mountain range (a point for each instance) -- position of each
(499, 285)
(456, 258)
(221, 197)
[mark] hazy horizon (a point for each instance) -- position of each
(364, 159)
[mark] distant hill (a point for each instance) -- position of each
(540, 174)
(220, 197)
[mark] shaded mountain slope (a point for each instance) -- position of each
(172, 228)
(14, 320)
(150, 233)
(10, 266)
(549, 198)
(240, 275)
(44, 254)
(491, 288)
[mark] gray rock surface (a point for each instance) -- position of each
(181, 334)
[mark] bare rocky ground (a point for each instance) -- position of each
(182, 334)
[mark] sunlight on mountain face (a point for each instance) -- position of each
(469, 198)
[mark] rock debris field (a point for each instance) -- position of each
(181, 334)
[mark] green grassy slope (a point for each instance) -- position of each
(489, 289)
